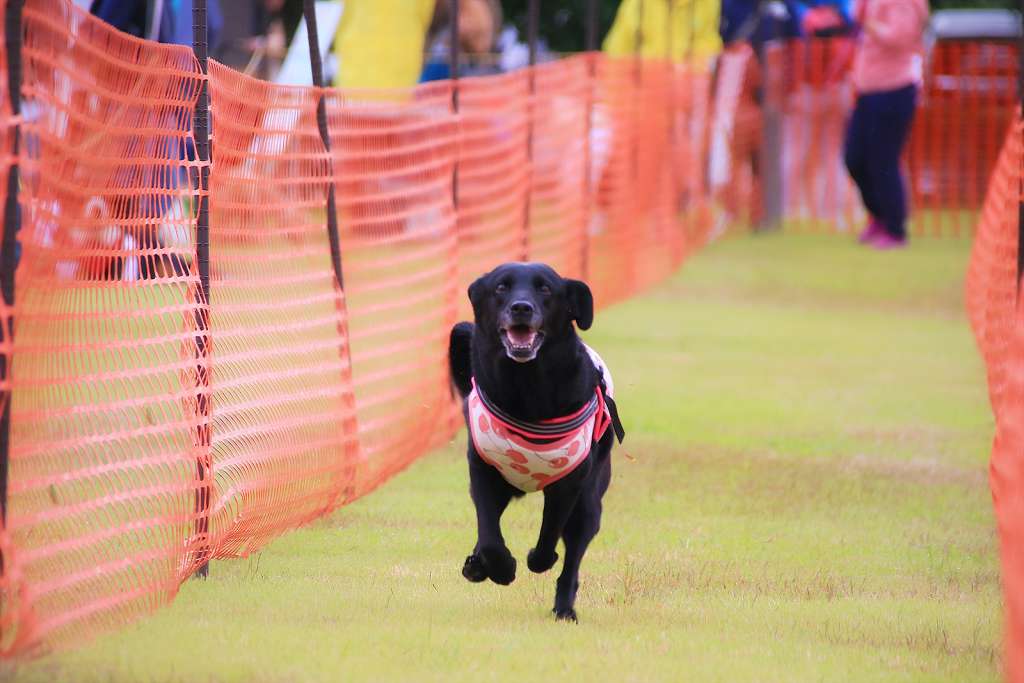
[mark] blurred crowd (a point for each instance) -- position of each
(377, 43)
(730, 114)
(396, 43)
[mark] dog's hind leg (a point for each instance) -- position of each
(491, 494)
(583, 524)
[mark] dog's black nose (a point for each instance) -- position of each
(524, 308)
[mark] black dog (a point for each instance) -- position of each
(538, 406)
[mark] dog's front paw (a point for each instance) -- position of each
(474, 569)
(499, 564)
(541, 562)
(565, 615)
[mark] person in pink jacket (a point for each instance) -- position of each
(886, 73)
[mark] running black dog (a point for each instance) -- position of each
(538, 405)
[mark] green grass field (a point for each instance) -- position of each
(807, 500)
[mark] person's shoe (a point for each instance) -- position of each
(875, 229)
(885, 241)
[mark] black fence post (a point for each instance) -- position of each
(532, 29)
(349, 426)
(590, 45)
(670, 7)
(638, 50)
(638, 34)
(695, 193)
(590, 27)
(9, 252)
(771, 175)
(453, 37)
(1020, 184)
(670, 69)
(316, 66)
(201, 132)
(453, 63)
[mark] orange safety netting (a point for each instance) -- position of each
(142, 445)
(997, 318)
(102, 482)
(145, 441)
(966, 107)
(394, 157)
(284, 446)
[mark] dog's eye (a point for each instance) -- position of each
(501, 288)
(545, 290)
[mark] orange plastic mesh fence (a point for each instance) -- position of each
(102, 483)
(616, 116)
(734, 137)
(121, 483)
(134, 458)
(493, 178)
(635, 230)
(997, 318)
(967, 105)
(284, 446)
(558, 202)
(394, 157)
(1007, 479)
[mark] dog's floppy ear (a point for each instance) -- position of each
(477, 289)
(581, 303)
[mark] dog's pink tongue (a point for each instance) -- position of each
(521, 336)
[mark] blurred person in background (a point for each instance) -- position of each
(166, 21)
(679, 29)
(736, 130)
(480, 29)
(748, 102)
(260, 49)
(758, 21)
(380, 43)
(816, 106)
(886, 74)
(822, 18)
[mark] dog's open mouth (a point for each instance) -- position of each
(521, 342)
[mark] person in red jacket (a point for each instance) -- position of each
(886, 73)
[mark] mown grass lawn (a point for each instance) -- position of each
(806, 500)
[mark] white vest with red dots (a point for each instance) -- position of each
(532, 455)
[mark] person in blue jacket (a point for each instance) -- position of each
(759, 21)
(165, 21)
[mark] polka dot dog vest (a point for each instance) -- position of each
(532, 455)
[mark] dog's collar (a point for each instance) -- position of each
(545, 430)
(601, 404)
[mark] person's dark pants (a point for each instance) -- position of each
(874, 141)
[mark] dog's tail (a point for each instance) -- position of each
(459, 363)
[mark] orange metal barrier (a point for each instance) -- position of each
(996, 311)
